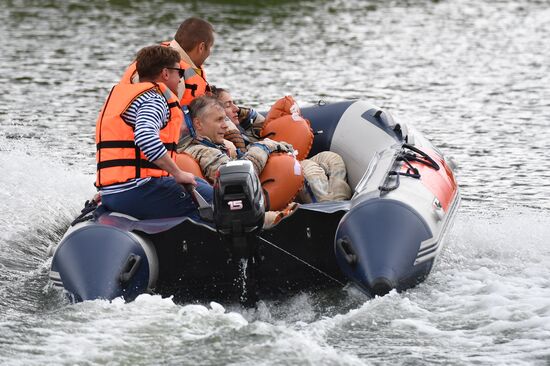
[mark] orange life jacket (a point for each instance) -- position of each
(195, 80)
(118, 158)
(195, 83)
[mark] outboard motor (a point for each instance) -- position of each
(238, 215)
(238, 199)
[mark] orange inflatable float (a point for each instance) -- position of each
(284, 122)
(281, 180)
(186, 162)
(281, 177)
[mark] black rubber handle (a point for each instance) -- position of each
(130, 267)
(344, 245)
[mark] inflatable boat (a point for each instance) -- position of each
(387, 236)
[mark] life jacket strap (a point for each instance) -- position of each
(129, 144)
(146, 164)
(170, 146)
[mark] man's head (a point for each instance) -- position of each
(196, 37)
(159, 64)
(208, 118)
(231, 110)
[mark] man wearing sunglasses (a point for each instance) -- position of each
(193, 41)
(136, 136)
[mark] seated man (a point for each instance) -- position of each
(136, 136)
(208, 149)
(325, 173)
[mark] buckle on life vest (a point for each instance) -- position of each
(192, 87)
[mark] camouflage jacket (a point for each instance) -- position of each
(211, 156)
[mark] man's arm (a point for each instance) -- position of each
(151, 116)
(209, 159)
(258, 152)
(166, 163)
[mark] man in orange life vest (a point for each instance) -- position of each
(136, 136)
(193, 41)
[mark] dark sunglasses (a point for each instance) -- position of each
(180, 71)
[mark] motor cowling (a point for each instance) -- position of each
(238, 199)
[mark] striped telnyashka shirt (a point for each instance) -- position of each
(148, 114)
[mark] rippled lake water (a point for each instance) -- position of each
(474, 76)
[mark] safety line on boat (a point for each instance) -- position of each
(303, 261)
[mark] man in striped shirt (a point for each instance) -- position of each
(142, 131)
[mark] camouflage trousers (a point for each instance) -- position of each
(325, 174)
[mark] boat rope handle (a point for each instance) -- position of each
(386, 188)
(303, 261)
(89, 206)
(412, 172)
(429, 161)
(406, 159)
